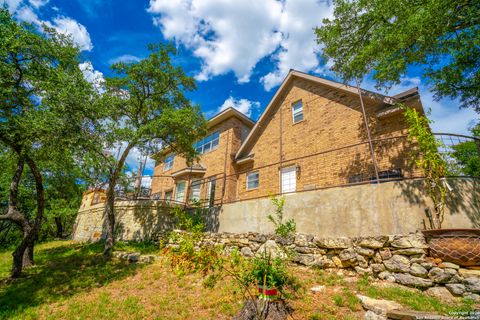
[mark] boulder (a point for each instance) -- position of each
(385, 254)
(456, 288)
(310, 250)
(247, 252)
(348, 255)
(333, 243)
(133, 257)
(412, 281)
(472, 285)
(397, 263)
(410, 241)
(303, 240)
(317, 289)
(387, 276)
(418, 270)
(378, 306)
(305, 259)
(370, 315)
(362, 261)
(441, 293)
(377, 267)
(373, 242)
(365, 251)
(472, 296)
(449, 265)
(439, 275)
(409, 251)
(363, 271)
(467, 273)
(323, 262)
(148, 258)
(272, 249)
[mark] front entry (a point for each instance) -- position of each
(289, 179)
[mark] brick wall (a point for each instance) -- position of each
(332, 120)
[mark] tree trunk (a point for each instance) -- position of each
(58, 223)
(110, 205)
(110, 220)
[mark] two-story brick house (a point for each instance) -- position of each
(311, 135)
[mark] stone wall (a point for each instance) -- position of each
(402, 259)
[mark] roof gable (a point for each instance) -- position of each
(321, 81)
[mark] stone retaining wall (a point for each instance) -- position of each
(402, 259)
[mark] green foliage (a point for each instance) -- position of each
(389, 36)
(426, 157)
(283, 229)
(467, 155)
(268, 272)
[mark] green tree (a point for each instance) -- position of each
(389, 36)
(44, 101)
(144, 105)
(467, 154)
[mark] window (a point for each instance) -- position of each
(180, 192)
(168, 195)
(208, 143)
(195, 190)
(297, 111)
(289, 179)
(253, 180)
(168, 162)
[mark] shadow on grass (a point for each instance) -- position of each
(60, 272)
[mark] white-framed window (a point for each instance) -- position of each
(253, 180)
(289, 179)
(180, 191)
(168, 195)
(168, 163)
(195, 190)
(297, 111)
(208, 143)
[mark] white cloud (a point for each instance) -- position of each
(226, 36)
(243, 105)
(124, 58)
(236, 35)
(65, 25)
(92, 75)
(78, 31)
(38, 3)
(298, 49)
(12, 5)
(26, 14)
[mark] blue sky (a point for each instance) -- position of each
(239, 51)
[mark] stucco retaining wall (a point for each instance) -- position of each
(388, 208)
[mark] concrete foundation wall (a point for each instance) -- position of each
(388, 208)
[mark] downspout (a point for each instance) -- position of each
(225, 167)
(281, 150)
(374, 159)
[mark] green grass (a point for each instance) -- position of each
(143, 247)
(413, 299)
(62, 270)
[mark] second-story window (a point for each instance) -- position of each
(208, 143)
(168, 163)
(297, 111)
(253, 180)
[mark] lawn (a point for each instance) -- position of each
(73, 281)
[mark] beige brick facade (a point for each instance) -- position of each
(327, 148)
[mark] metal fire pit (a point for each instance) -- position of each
(459, 246)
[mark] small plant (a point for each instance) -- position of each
(282, 229)
(428, 159)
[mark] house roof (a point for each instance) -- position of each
(196, 168)
(329, 83)
(216, 119)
